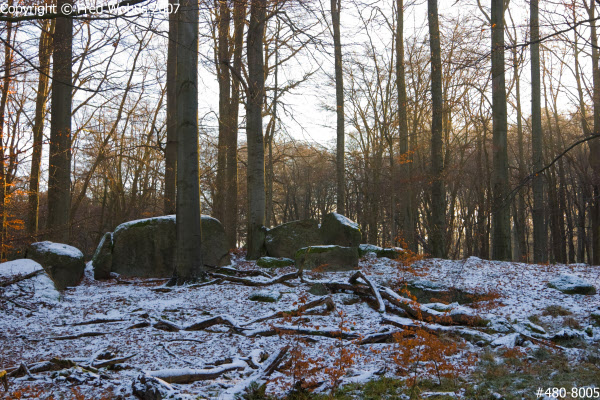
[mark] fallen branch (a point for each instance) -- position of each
(97, 321)
(20, 278)
(471, 335)
(251, 282)
(266, 369)
(374, 290)
(286, 329)
(218, 320)
(327, 301)
(112, 361)
(189, 375)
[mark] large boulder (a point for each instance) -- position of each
(102, 258)
(63, 263)
(146, 247)
(39, 283)
(571, 284)
(339, 230)
(330, 258)
(284, 240)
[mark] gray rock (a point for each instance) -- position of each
(427, 291)
(102, 258)
(331, 258)
(571, 284)
(595, 316)
(337, 229)
(284, 240)
(63, 263)
(318, 289)
(265, 296)
(146, 247)
(390, 252)
(272, 262)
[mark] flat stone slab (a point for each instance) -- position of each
(340, 230)
(571, 284)
(273, 262)
(329, 258)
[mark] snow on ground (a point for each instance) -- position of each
(28, 336)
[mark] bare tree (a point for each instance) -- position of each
(339, 100)
(501, 243)
(188, 256)
(254, 130)
(438, 203)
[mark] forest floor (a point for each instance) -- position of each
(512, 336)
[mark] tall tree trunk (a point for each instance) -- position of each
(45, 50)
(231, 199)
(519, 217)
(407, 223)
(339, 101)
(171, 146)
(539, 229)
(254, 130)
(501, 243)
(594, 145)
(3, 102)
(188, 256)
(223, 76)
(59, 172)
(438, 204)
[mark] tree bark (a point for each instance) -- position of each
(539, 228)
(188, 256)
(230, 219)
(3, 102)
(501, 240)
(223, 76)
(171, 146)
(339, 100)
(59, 173)
(438, 204)
(45, 50)
(254, 130)
(594, 145)
(407, 223)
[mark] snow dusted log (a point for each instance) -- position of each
(379, 337)
(112, 361)
(20, 278)
(374, 290)
(251, 282)
(327, 301)
(77, 336)
(98, 321)
(266, 369)
(471, 335)
(218, 320)
(189, 375)
(288, 329)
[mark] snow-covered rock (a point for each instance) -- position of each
(63, 263)
(571, 284)
(337, 229)
(40, 285)
(102, 259)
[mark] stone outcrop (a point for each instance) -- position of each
(63, 263)
(146, 247)
(284, 240)
(339, 230)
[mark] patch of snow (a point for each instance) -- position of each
(22, 266)
(345, 220)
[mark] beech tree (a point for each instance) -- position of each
(188, 255)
